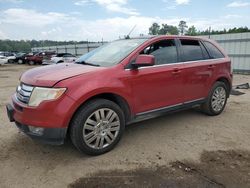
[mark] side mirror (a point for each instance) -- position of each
(144, 60)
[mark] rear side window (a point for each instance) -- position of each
(192, 50)
(214, 52)
(59, 55)
(165, 52)
(68, 55)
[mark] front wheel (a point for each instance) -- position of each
(20, 61)
(10, 61)
(97, 127)
(216, 100)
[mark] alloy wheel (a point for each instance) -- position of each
(218, 99)
(101, 128)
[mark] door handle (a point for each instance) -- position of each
(211, 66)
(176, 71)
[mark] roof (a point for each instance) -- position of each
(172, 36)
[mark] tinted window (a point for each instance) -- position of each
(204, 51)
(213, 51)
(165, 52)
(192, 50)
(68, 55)
(60, 55)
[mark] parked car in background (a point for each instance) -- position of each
(7, 54)
(20, 58)
(39, 57)
(3, 60)
(9, 57)
(60, 58)
(119, 83)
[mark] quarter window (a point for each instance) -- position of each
(165, 52)
(214, 52)
(192, 50)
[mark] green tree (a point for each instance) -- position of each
(164, 29)
(173, 30)
(26, 45)
(192, 31)
(182, 27)
(168, 29)
(154, 29)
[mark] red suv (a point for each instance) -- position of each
(39, 57)
(117, 84)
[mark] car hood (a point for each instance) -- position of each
(48, 76)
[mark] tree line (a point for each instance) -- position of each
(26, 45)
(183, 29)
(155, 29)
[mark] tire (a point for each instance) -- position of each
(10, 61)
(32, 63)
(20, 61)
(94, 137)
(216, 100)
(59, 62)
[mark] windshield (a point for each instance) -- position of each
(111, 53)
(20, 54)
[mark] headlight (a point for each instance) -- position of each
(40, 94)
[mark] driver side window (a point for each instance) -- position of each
(164, 51)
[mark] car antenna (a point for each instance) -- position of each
(128, 36)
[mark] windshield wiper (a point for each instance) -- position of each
(86, 63)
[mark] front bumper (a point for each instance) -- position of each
(52, 116)
(54, 136)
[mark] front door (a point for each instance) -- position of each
(160, 85)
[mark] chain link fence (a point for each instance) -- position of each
(75, 49)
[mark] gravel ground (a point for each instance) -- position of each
(184, 149)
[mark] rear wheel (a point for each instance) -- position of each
(97, 127)
(31, 63)
(216, 100)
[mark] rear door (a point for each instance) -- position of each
(160, 85)
(198, 69)
(68, 58)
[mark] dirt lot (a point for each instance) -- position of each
(185, 149)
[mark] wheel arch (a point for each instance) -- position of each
(226, 82)
(116, 98)
(60, 61)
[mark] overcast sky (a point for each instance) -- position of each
(108, 19)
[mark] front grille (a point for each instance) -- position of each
(23, 93)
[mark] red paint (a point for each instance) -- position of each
(38, 58)
(144, 60)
